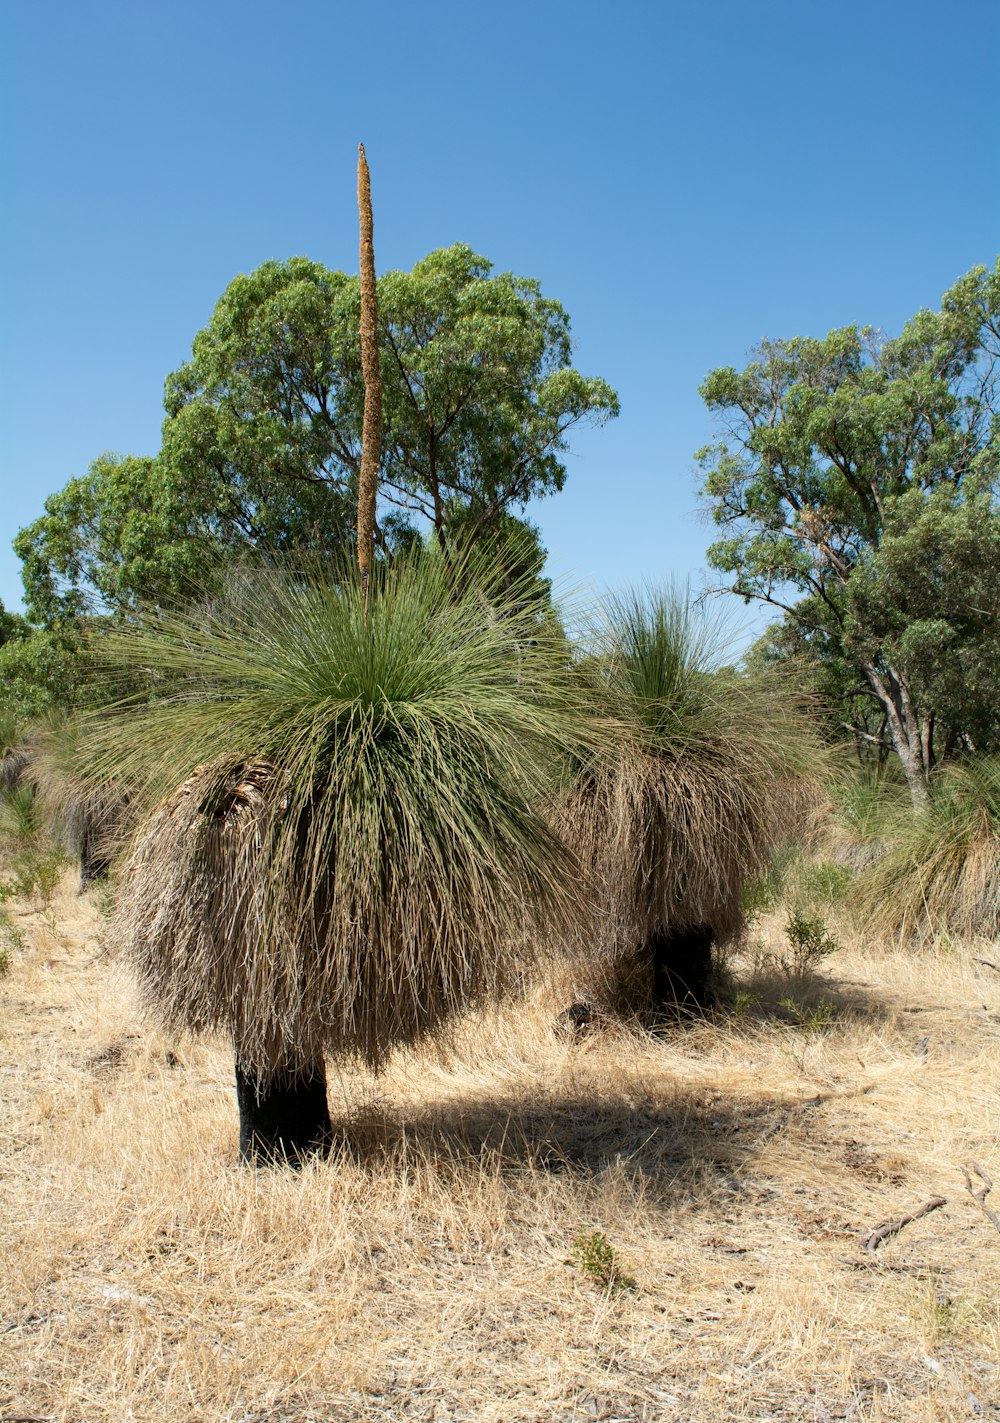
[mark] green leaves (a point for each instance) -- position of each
(479, 394)
(828, 445)
(928, 599)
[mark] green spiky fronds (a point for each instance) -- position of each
(343, 843)
(940, 870)
(712, 768)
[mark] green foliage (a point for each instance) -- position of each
(743, 1003)
(478, 396)
(927, 599)
(12, 626)
(127, 530)
(262, 440)
(765, 890)
(45, 670)
(835, 445)
(11, 937)
(809, 942)
(36, 870)
(662, 667)
(601, 1263)
(809, 1017)
(36, 864)
(824, 883)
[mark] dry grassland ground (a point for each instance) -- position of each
(429, 1270)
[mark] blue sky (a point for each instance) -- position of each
(685, 178)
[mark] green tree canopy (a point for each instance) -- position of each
(12, 625)
(478, 391)
(831, 446)
(262, 436)
(121, 531)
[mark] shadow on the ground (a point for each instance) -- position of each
(681, 1141)
(768, 993)
(694, 1143)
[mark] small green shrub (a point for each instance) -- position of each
(766, 891)
(743, 1003)
(35, 871)
(811, 1018)
(825, 883)
(11, 939)
(809, 942)
(601, 1263)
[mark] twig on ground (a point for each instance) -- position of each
(809, 1105)
(980, 1196)
(889, 1228)
(875, 1262)
(988, 963)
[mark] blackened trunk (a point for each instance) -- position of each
(93, 863)
(285, 1118)
(682, 971)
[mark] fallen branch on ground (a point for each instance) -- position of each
(889, 1228)
(988, 964)
(980, 1196)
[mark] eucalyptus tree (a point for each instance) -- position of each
(479, 392)
(262, 439)
(831, 447)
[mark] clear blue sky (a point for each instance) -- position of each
(686, 178)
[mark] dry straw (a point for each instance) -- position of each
(82, 810)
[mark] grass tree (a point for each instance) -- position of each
(340, 842)
(685, 804)
(82, 814)
(938, 872)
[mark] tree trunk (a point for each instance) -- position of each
(682, 971)
(283, 1119)
(908, 741)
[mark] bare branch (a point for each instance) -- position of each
(889, 1228)
(980, 1196)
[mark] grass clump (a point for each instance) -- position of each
(940, 872)
(36, 863)
(13, 757)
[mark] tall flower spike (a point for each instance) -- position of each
(371, 430)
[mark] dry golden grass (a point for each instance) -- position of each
(421, 1273)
